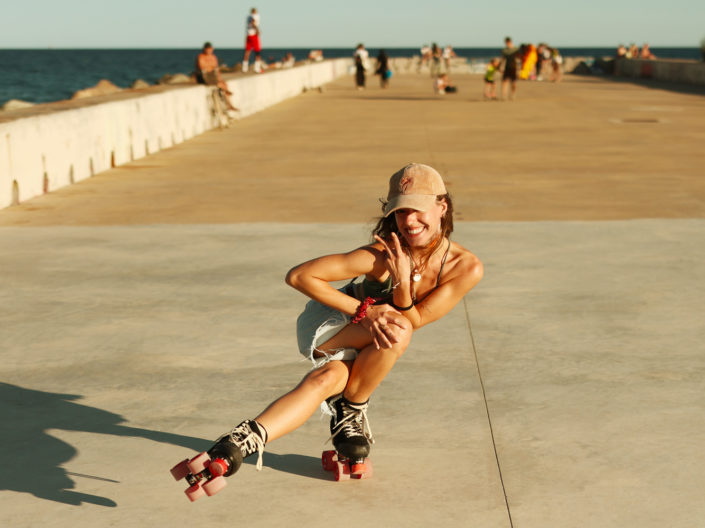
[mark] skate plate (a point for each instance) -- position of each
(345, 468)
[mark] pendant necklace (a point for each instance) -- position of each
(415, 273)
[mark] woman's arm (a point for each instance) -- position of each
(465, 273)
(312, 278)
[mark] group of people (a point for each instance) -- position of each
(207, 68)
(633, 52)
(361, 57)
(436, 59)
(524, 62)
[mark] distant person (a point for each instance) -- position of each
(383, 69)
(425, 57)
(556, 65)
(621, 51)
(315, 55)
(490, 82)
(208, 73)
(633, 52)
(252, 42)
(509, 69)
(288, 61)
(448, 54)
(442, 85)
(646, 53)
(361, 55)
(436, 56)
(542, 58)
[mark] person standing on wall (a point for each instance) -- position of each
(252, 42)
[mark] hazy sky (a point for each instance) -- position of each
(342, 23)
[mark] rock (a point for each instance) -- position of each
(582, 69)
(16, 104)
(104, 87)
(178, 78)
(139, 84)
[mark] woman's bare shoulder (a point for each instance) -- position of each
(464, 263)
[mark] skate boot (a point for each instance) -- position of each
(244, 440)
(350, 430)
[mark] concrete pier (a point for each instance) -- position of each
(144, 313)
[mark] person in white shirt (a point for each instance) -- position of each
(361, 55)
(252, 42)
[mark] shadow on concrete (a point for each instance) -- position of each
(33, 458)
(300, 465)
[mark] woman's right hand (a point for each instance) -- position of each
(382, 321)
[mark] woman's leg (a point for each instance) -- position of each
(294, 408)
(372, 366)
(356, 380)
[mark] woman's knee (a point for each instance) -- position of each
(402, 337)
(328, 379)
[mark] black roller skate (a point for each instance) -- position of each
(206, 472)
(351, 436)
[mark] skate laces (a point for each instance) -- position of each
(245, 438)
(354, 423)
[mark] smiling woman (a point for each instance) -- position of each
(412, 275)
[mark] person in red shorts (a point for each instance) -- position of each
(252, 42)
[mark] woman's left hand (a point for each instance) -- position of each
(397, 261)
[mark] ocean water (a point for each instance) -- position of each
(42, 75)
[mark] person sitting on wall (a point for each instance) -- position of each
(208, 73)
(646, 53)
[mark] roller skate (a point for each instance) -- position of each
(206, 472)
(351, 436)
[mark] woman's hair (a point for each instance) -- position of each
(388, 225)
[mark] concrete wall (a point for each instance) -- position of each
(680, 71)
(42, 151)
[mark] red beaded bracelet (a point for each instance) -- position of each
(362, 309)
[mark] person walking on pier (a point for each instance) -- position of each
(509, 69)
(252, 42)
(383, 69)
(412, 274)
(361, 55)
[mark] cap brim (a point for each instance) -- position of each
(417, 202)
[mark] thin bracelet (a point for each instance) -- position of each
(404, 308)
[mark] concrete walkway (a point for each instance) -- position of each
(144, 313)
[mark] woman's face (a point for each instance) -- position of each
(420, 228)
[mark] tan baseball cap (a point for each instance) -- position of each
(415, 186)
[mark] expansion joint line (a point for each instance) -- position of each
(487, 410)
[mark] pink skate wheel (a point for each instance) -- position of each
(329, 458)
(194, 493)
(198, 463)
(214, 486)
(341, 471)
(180, 470)
(218, 467)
